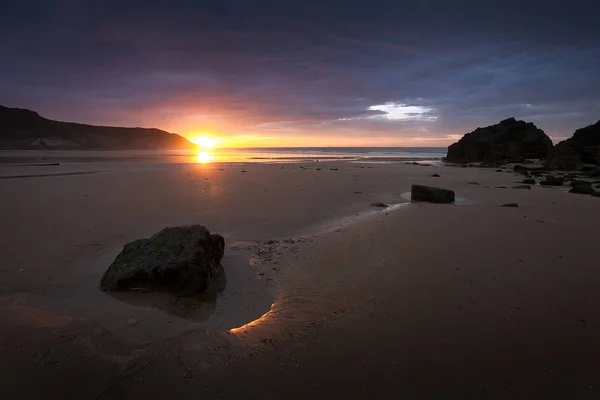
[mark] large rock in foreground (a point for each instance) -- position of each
(182, 259)
(508, 141)
(431, 194)
(582, 148)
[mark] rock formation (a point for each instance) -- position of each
(551, 180)
(508, 141)
(582, 148)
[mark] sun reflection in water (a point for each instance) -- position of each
(254, 323)
(204, 157)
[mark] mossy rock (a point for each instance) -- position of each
(182, 259)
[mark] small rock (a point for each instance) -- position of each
(357, 192)
(529, 181)
(500, 187)
(520, 168)
(132, 322)
(527, 171)
(473, 183)
(378, 204)
(552, 181)
(333, 169)
(510, 205)
(576, 182)
(498, 170)
(582, 189)
(435, 175)
(594, 172)
(522, 187)
(431, 194)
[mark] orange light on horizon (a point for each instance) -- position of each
(205, 141)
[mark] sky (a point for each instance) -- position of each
(301, 73)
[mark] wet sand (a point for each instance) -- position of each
(325, 296)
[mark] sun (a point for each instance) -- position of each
(206, 142)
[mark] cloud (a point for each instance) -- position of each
(338, 69)
(404, 112)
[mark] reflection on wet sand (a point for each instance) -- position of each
(16, 309)
(204, 157)
(254, 323)
(196, 308)
(238, 295)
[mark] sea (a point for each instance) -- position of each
(237, 155)
(294, 154)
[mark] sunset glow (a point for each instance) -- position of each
(205, 141)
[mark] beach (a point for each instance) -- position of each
(326, 296)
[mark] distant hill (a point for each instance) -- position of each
(22, 129)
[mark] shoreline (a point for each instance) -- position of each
(53, 158)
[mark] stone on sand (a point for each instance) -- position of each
(551, 180)
(582, 189)
(522, 187)
(510, 205)
(520, 168)
(378, 204)
(182, 259)
(431, 194)
(593, 173)
(576, 182)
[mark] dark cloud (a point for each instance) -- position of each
(305, 67)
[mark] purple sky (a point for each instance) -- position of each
(337, 73)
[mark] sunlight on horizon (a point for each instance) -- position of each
(205, 141)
